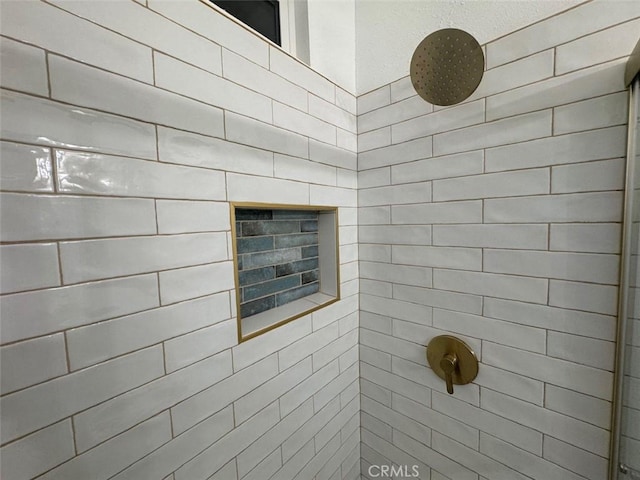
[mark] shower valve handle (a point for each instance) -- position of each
(448, 365)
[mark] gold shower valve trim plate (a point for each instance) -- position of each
(452, 360)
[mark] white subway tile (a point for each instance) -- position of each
(577, 147)
(393, 345)
(511, 287)
(175, 216)
(335, 349)
(250, 75)
(334, 312)
(517, 129)
(41, 121)
(401, 89)
(374, 253)
(228, 472)
(378, 393)
(346, 140)
(267, 467)
(37, 453)
(596, 238)
(39, 406)
(613, 42)
(508, 184)
(320, 460)
(347, 178)
(248, 188)
(297, 461)
(92, 173)
(302, 123)
(177, 146)
(292, 354)
(94, 259)
(433, 213)
(557, 319)
(191, 282)
(439, 121)
(496, 236)
(578, 460)
(179, 77)
(584, 350)
(346, 100)
(515, 74)
(576, 432)
(576, 207)
(394, 195)
(195, 346)
(37, 313)
(437, 257)
(24, 67)
(395, 234)
(255, 349)
(87, 345)
(330, 155)
(57, 217)
(256, 400)
(375, 322)
(590, 114)
(79, 84)
(25, 168)
(309, 429)
(374, 215)
(401, 153)
(147, 27)
(439, 298)
(211, 24)
(584, 296)
(581, 378)
(473, 459)
(518, 386)
(58, 31)
(260, 449)
(119, 452)
(292, 399)
(514, 432)
(303, 170)
(467, 163)
(248, 131)
(394, 113)
(27, 363)
(589, 177)
(559, 29)
(374, 99)
(195, 409)
(455, 429)
(568, 88)
(103, 421)
(396, 309)
(530, 465)
(585, 267)
(332, 114)
(228, 446)
(297, 72)
(583, 407)
(401, 274)
(339, 385)
(374, 139)
(518, 336)
(399, 422)
(28, 267)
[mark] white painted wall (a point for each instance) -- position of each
(387, 32)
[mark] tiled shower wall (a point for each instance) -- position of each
(126, 129)
(498, 221)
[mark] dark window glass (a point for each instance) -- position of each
(261, 15)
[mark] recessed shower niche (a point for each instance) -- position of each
(286, 263)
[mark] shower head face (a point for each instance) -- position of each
(447, 66)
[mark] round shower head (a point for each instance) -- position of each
(447, 66)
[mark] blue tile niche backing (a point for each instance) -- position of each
(277, 257)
